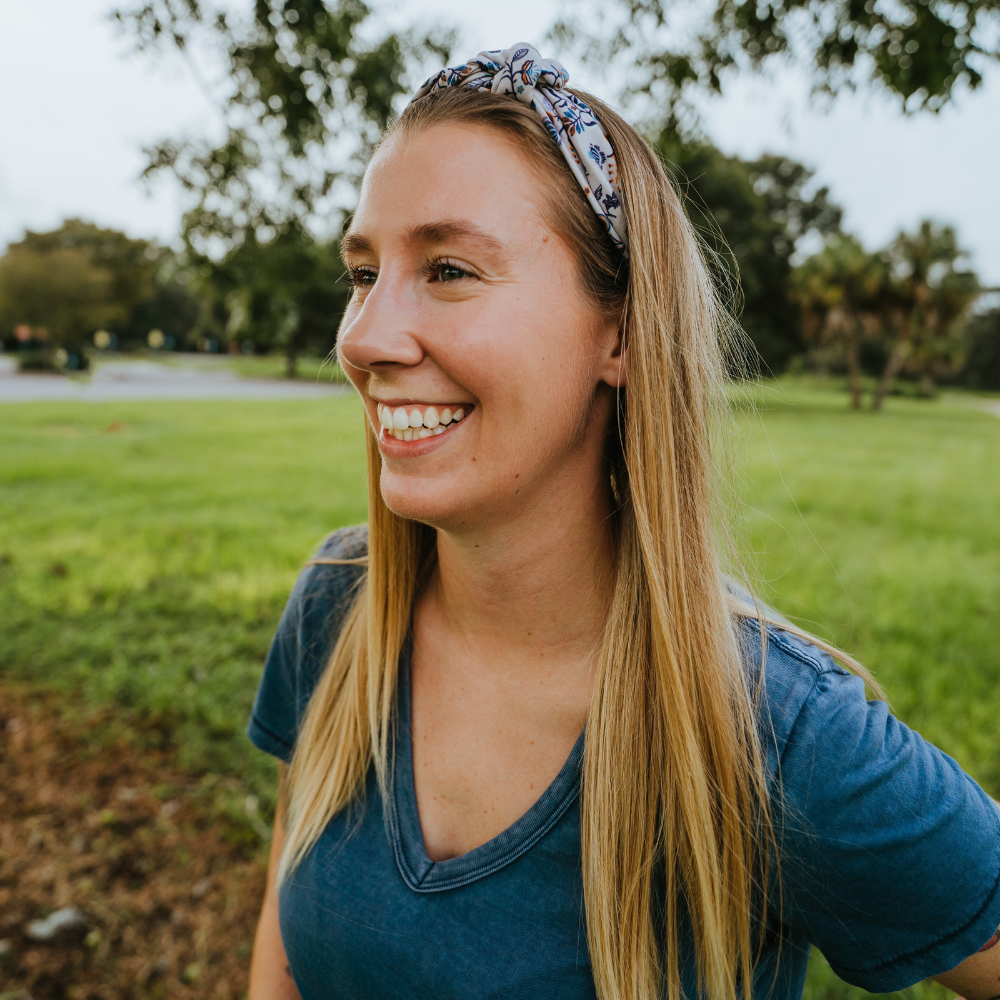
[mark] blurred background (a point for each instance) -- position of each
(174, 442)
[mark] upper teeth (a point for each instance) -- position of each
(406, 422)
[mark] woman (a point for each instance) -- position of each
(531, 745)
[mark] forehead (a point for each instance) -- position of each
(448, 172)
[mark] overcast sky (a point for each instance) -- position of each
(76, 108)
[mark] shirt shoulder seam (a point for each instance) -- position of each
(776, 635)
(345, 543)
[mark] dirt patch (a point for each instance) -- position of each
(152, 878)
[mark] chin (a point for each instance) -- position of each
(432, 503)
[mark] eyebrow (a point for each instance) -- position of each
(429, 233)
(454, 230)
(354, 243)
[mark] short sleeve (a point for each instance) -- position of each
(889, 855)
(302, 644)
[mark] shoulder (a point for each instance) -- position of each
(326, 582)
(791, 676)
(889, 854)
(790, 657)
(345, 543)
(322, 596)
(312, 620)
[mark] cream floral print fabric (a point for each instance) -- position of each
(540, 83)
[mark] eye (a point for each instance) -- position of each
(361, 277)
(446, 271)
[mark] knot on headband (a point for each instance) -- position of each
(540, 83)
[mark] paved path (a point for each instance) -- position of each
(113, 380)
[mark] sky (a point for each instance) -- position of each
(77, 106)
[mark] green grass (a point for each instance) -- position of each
(881, 533)
(147, 566)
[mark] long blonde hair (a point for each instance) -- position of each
(675, 819)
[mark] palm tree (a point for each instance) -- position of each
(929, 295)
(842, 294)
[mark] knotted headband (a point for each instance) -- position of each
(539, 83)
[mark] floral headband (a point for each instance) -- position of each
(540, 83)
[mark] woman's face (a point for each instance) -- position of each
(484, 368)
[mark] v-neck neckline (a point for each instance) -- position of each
(422, 874)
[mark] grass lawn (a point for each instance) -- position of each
(146, 551)
(881, 532)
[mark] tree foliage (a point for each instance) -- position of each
(920, 51)
(78, 278)
(129, 265)
(982, 366)
(305, 96)
(840, 291)
(74, 279)
(310, 85)
(284, 294)
(60, 294)
(912, 298)
(932, 289)
(751, 216)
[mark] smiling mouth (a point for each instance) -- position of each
(416, 421)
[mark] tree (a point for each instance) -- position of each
(931, 293)
(982, 364)
(751, 215)
(130, 264)
(306, 97)
(920, 51)
(172, 308)
(78, 278)
(61, 294)
(311, 85)
(286, 293)
(842, 294)
(913, 296)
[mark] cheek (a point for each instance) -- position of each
(543, 358)
(535, 385)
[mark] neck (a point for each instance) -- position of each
(539, 583)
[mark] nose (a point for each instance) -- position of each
(382, 331)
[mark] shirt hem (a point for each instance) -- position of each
(900, 973)
(263, 739)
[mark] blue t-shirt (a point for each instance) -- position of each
(889, 854)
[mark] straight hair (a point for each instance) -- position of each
(676, 827)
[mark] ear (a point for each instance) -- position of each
(612, 366)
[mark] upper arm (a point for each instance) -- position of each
(889, 855)
(270, 976)
(278, 830)
(978, 977)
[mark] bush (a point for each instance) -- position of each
(982, 367)
(36, 359)
(39, 356)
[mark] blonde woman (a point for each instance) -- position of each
(531, 745)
